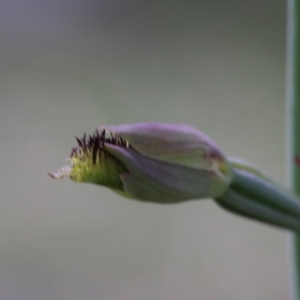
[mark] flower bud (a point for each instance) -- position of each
(156, 162)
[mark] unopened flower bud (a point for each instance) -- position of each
(156, 162)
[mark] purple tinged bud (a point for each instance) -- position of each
(157, 162)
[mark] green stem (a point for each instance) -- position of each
(293, 120)
(254, 195)
(266, 192)
(240, 204)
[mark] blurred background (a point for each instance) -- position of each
(67, 67)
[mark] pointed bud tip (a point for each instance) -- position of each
(61, 173)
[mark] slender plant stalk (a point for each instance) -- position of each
(293, 123)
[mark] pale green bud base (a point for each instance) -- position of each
(91, 163)
(82, 169)
(105, 171)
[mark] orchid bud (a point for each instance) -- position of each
(156, 162)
